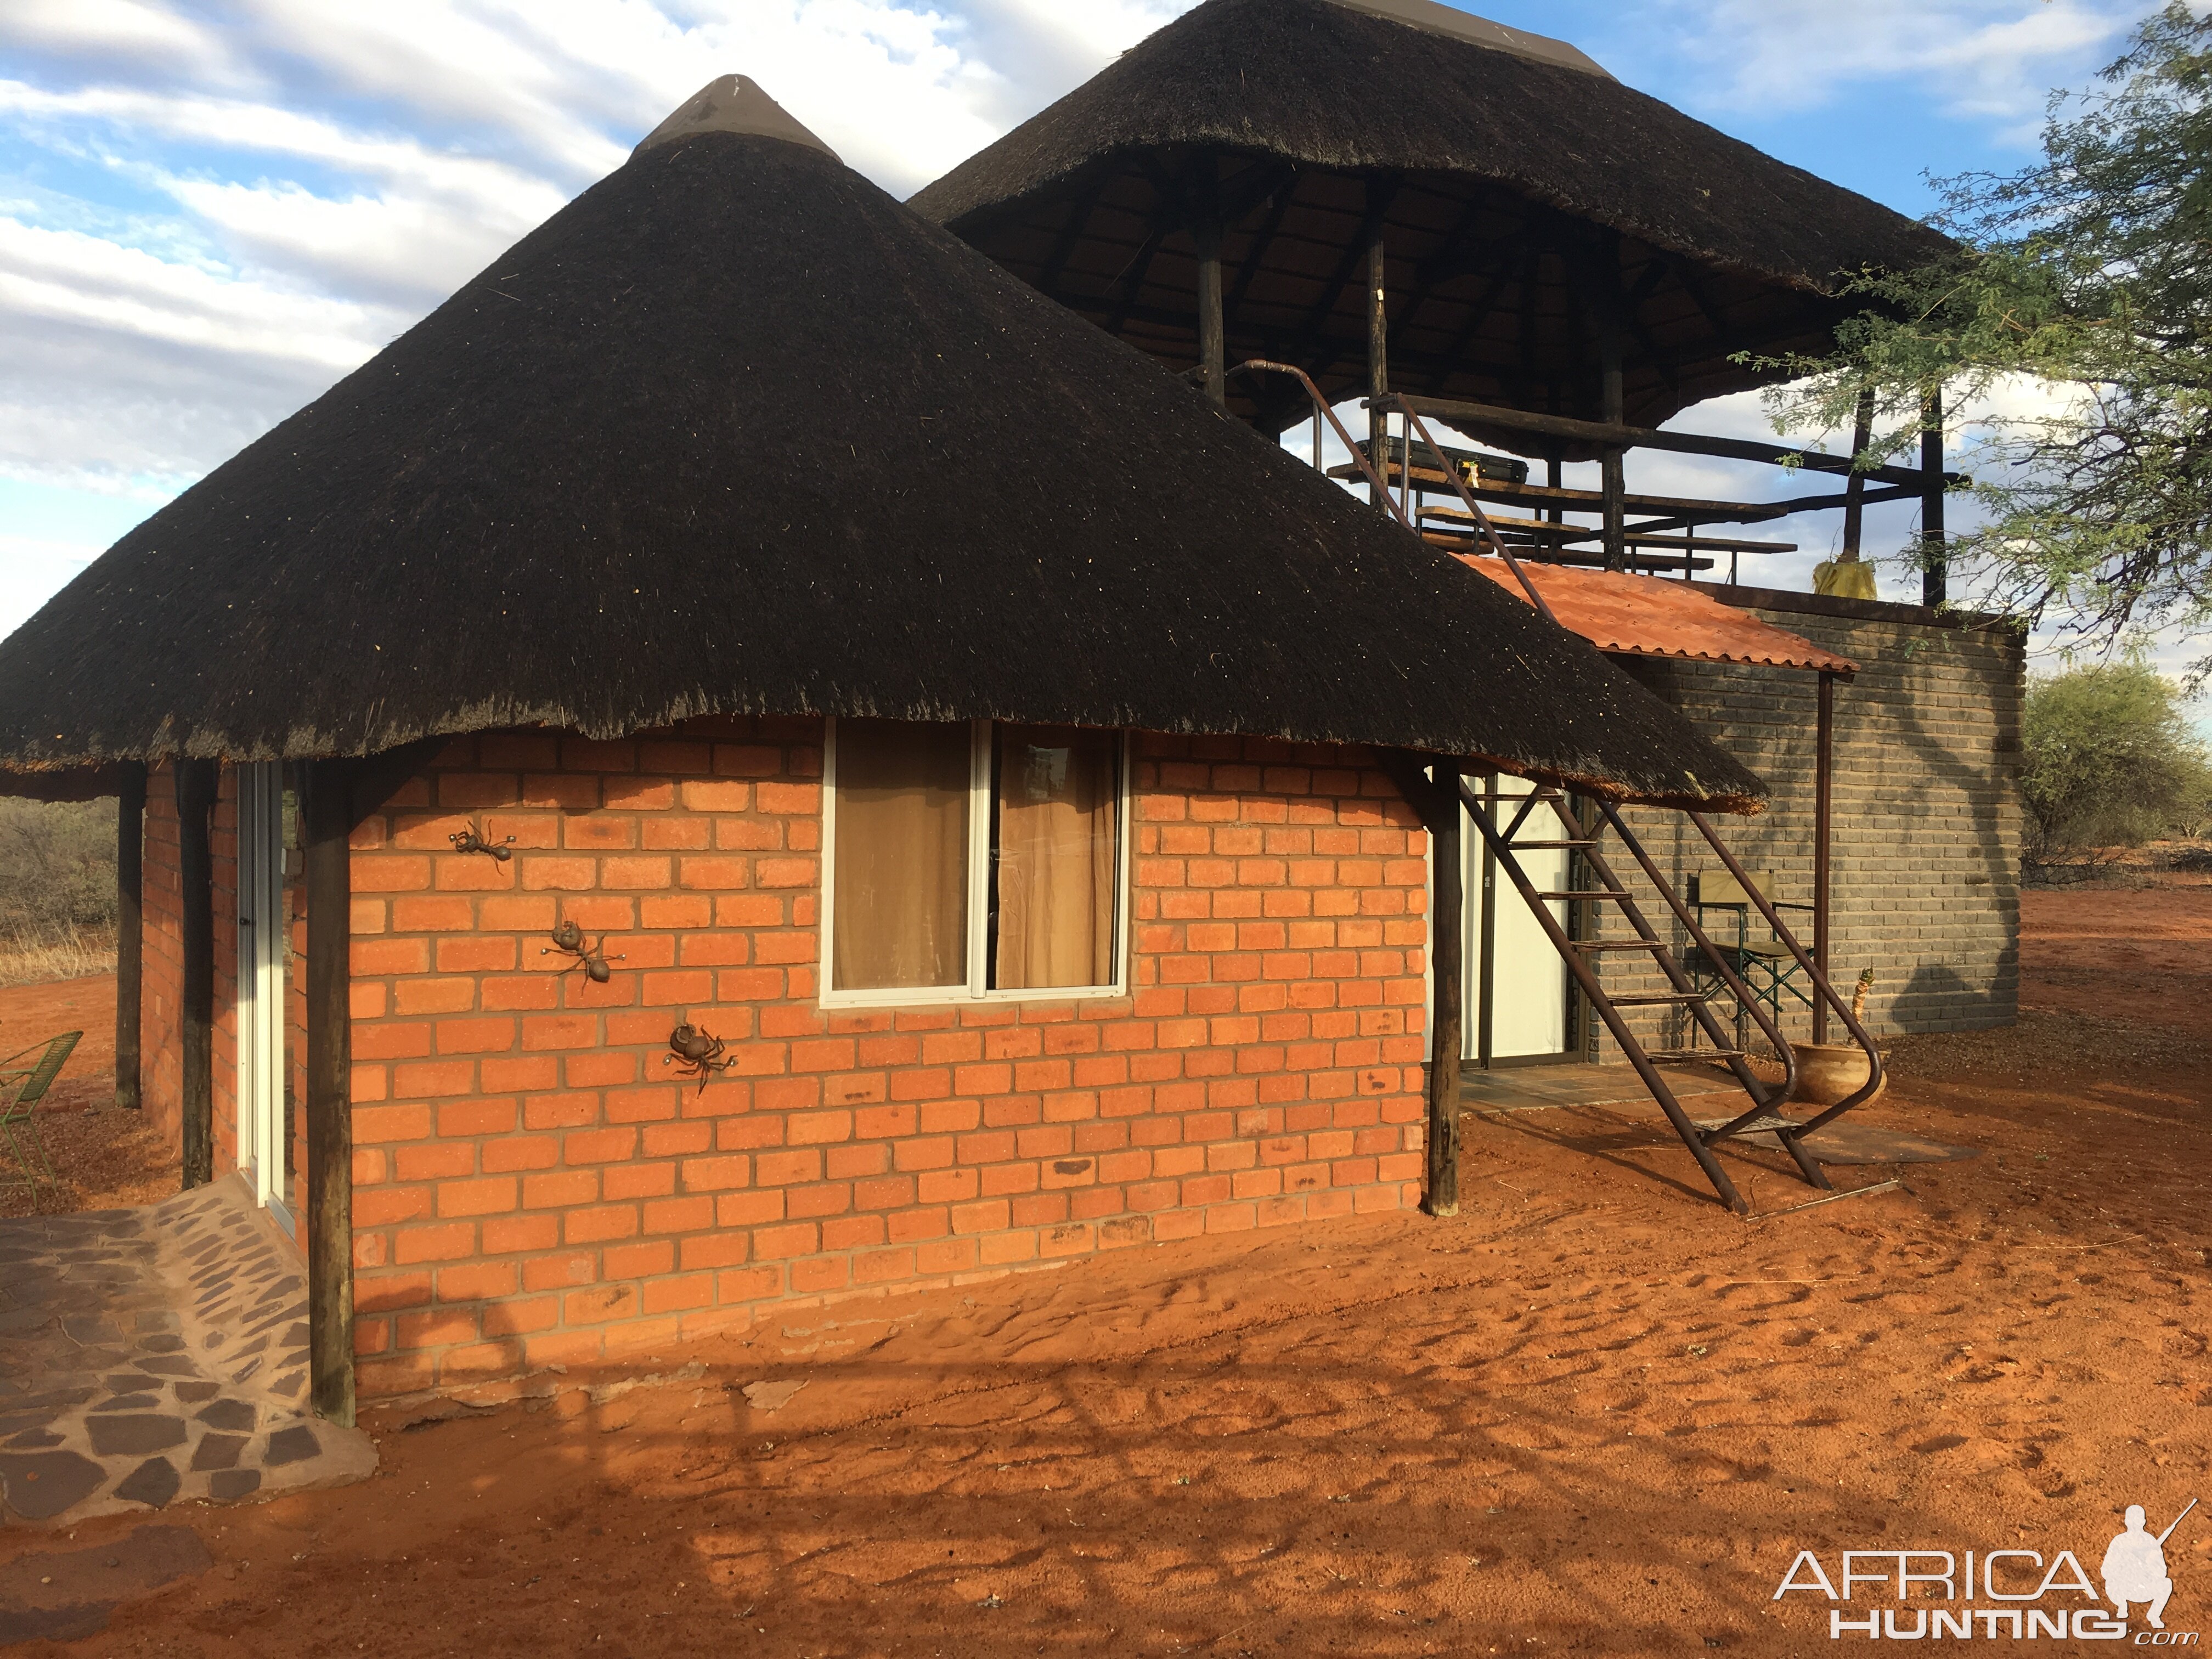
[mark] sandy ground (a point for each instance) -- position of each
(1594, 1412)
(106, 1158)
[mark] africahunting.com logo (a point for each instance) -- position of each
(2029, 1598)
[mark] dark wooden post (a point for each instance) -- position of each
(1824, 791)
(1212, 349)
(329, 885)
(1612, 463)
(1378, 358)
(1854, 491)
(130, 930)
(1447, 924)
(196, 791)
(1934, 566)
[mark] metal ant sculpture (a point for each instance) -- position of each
(698, 1051)
(471, 839)
(568, 940)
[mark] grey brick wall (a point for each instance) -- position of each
(1926, 849)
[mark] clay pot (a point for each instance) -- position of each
(1828, 1073)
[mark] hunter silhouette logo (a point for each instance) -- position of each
(2029, 1598)
(2135, 1566)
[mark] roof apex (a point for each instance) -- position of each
(732, 103)
(1465, 26)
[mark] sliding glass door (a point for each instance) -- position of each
(264, 1149)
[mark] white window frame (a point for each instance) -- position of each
(977, 990)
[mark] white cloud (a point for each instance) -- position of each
(1987, 59)
(113, 28)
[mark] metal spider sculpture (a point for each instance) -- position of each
(569, 941)
(471, 839)
(699, 1052)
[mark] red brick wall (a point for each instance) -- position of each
(534, 1187)
(162, 995)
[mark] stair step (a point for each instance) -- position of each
(1547, 845)
(1618, 943)
(1661, 999)
(1600, 893)
(1694, 1054)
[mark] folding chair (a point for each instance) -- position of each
(1766, 966)
(22, 1087)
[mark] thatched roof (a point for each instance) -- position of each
(736, 433)
(1516, 184)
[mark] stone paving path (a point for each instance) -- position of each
(154, 1355)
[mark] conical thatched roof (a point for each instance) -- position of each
(734, 432)
(1519, 188)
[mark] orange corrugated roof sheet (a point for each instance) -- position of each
(1652, 616)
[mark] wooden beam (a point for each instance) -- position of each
(1448, 1026)
(1640, 437)
(1349, 264)
(195, 784)
(130, 930)
(1934, 551)
(329, 885)
(1854, 498)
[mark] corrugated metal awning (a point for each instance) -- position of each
(1652, 616)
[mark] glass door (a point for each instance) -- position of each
(264, 1143)
(1517, 985)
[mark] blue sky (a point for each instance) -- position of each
(210, 210)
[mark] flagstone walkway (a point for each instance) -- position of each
(156, 1355)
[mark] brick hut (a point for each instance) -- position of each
(751, 756)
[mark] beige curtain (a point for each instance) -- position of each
(902, 856)
(1058, 856)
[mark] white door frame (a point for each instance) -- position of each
(262, 1124)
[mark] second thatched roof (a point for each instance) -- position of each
(1519, 190)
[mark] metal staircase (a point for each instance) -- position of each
(1588, 820)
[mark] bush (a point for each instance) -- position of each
(2111, 761)
(57, 868)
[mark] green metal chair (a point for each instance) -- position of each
(1767, 967)
(22, 1087)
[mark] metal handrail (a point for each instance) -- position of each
(1322, 406)
(1812, 972)
(1467, 499)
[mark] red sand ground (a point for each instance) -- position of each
(1594, 1412)
(104, 1158)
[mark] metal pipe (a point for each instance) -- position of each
(1823, 768)
(1474, 509)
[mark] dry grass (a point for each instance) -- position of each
(43, 955)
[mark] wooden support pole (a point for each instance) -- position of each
(1447, 927)
(329, 885)
(1824, 802)
(1854, 491)
(196, 781)
(1936, 566)
(1212, 349)
(130, 930)
(1612, 463)
(1379, 357)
